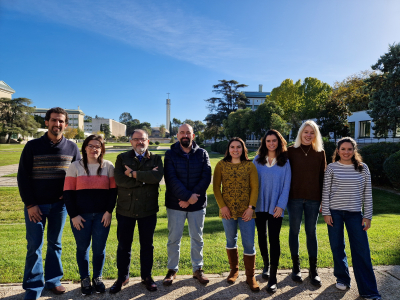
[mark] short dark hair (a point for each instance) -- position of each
(57, 110)
(243, 157)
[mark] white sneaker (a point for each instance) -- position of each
(341, 286)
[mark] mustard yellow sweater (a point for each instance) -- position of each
(239, 186)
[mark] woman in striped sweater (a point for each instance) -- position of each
(90, 194)
(347, 188)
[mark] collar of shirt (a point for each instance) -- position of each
(137, 154)
(58, 141)
(269, 165)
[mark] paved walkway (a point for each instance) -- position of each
(187, 288)
(6, 170)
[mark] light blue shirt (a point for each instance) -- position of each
(274, 186)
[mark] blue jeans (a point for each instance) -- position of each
(247, 231)
(360, 252)
(295, 208)
(93, 230)
(176, 223)
(34, 281)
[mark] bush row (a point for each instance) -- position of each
(219, 147)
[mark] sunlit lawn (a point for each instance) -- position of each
(384, 238)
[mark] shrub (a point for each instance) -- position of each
(172, 139)
(374, 156)
(214, 146)
(391, 167)
(151, 143)
(157, 142)
(329, 148)
(221, 148)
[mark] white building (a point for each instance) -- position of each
(117, 129)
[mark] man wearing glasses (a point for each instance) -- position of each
(138, 173)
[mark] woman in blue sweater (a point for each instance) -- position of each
(274, 177)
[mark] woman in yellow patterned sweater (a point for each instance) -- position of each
(237, 202)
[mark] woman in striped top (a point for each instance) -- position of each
(90, 194)
(347, 188)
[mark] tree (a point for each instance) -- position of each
(15, 118)
(199, 126)
(333, 118)
(106, 129)
(384, 89)
(213, 129)
(70, 132)
(300, 101)
(237, 124)
(353, 91)
(231, 99)
(80, 135)
(40, 120)
(87, 118)
(125, 117)
(267, 115)
(162, 130)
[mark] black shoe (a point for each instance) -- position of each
(86, 287)
(265, 273)
(313, 272)
(150, 284)
(271, 286)
(296, 273)
(98, 285)
(116, 287)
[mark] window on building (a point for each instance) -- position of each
(249, 106)
(352, 129)
(365, 129)
(256, 106)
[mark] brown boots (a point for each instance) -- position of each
(234, 264)
(250, 265)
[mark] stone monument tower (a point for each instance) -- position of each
(168, 114)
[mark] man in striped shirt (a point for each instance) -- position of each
(41, 173)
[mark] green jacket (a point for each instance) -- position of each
(138, 197)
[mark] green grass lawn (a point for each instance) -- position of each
(384, 237)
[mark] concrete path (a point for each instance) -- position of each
(185, 287)
(6, 170)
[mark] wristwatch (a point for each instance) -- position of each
(130, 173)
(252, 207)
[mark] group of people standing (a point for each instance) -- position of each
(55, 180)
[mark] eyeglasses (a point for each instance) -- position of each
(141, 140)
(91, 147)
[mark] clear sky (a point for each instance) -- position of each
(109, 57)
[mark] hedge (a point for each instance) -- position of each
(374, 156)
(392, 169)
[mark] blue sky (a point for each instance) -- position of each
(109, 57)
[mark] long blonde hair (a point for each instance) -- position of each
(317, 143)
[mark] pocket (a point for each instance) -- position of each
(124, 201)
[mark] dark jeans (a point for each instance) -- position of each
(360, 252)
(125, 230)
(54, 215)
(264, 220)
(95, 232)
(295, 208)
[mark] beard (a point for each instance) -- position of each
(53, 132)
(185, 142)
(141, 150)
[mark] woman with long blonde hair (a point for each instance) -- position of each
(308, 163)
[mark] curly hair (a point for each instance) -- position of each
(57, 110)
(356, 158)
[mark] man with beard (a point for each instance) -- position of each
(187, 177)
(137, 173)
(41, 173)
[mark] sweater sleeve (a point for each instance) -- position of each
(367, 195)
(284, 196)
(253, 185)
(326, 191)
(70, 190)
(112, 193)
(322, 169)
(24, 176)
(217, 179)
